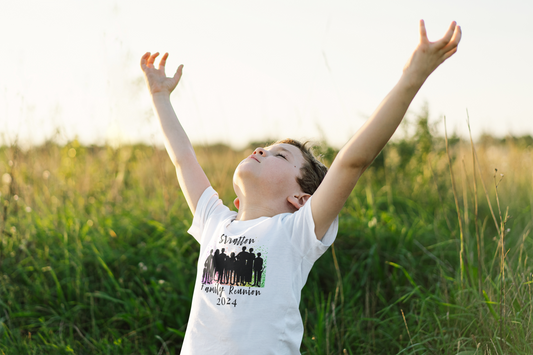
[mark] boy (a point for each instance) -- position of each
(253, 263)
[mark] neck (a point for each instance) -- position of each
(265, 208)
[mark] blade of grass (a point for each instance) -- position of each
(476, 224)
(461, 252)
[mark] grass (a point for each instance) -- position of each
(95, 258)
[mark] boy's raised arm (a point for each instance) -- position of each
(191, 177)
(365, 145)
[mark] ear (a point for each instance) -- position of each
(297, 201)
(236, 202)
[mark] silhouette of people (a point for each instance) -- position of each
(230, 269)
(207, 276)
(240, 268)
(258, 270)
(243, 269)
(220, 265)
(249, 264)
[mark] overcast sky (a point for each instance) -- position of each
(255, 69)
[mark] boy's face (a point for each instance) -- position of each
(270, 171)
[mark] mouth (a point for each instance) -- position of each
(254, 158)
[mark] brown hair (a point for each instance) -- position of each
(312, 171)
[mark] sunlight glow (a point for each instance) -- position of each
(308, 70)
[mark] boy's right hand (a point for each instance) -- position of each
(156, 79)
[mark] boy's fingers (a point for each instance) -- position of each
(449, 54)
(179, 72)
(143, 59)
(423, 32)
(454, 42)
(163, 61)
(443, 42)
(151, 59)
(457, 35)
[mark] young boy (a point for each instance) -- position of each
(253, 263)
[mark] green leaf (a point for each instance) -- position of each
(100, 294)
(489, 304)
(175, 331)
(24, 314)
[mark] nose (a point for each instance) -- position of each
(260, 151)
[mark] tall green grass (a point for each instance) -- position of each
(95, 258)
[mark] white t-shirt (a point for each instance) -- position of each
(249, 279)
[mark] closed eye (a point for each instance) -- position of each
(281, 155)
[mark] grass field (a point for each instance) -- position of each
(95, 258)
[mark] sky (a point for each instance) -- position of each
(256, 70)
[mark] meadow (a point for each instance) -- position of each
(432, 255)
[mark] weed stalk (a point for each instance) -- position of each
(478, 239)
(461, 252)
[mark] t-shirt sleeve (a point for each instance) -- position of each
(303, 233)
(208, 205)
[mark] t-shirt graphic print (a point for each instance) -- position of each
(241, 268)
(249, 279)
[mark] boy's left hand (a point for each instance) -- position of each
(365, 145)
(429, 55)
